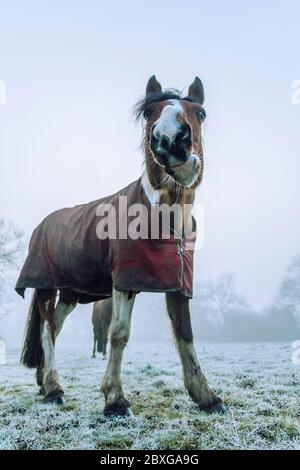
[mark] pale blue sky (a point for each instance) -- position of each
(73, 70)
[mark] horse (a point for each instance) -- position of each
(102, 313)
(68, 264)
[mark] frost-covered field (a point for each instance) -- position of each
(258, 382)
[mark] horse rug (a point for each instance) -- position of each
(69, 249)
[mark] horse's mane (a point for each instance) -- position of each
(141, 107)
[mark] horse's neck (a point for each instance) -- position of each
(171, 196)
(153, 194)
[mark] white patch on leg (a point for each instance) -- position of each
(119, 331)
(48, 348)
(50, 377)
(60, 314)
(122, 309)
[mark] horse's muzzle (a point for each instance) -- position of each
(172, 151)
(187, 172)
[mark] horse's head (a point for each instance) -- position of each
(173, 147)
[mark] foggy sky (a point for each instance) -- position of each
(74, 69)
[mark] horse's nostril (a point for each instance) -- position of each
(184, 135)
(165, 143)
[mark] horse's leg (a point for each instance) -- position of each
(46, 303)
(194, 379)
(115, 401)
(100, 338)
(95, 340)
(39, 373)
(53, 319)
(105, 339)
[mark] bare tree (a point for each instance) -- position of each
(219, 298)
(11, 247)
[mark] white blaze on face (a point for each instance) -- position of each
(167, 124)
(185, 172)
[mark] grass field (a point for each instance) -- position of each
(258, 382)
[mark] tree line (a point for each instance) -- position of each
(222, 314)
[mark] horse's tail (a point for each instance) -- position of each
(32, 351)
(99, 341)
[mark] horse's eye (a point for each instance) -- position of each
(201, 115)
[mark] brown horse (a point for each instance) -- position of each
(102, 313)
(66, 256)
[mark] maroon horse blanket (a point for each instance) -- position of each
(69, 250)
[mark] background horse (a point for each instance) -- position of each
(66, 255)
(102, 313)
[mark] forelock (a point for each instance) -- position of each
(142, 106)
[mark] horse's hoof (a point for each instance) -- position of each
(93, 357)
(217, 407)
(104, 358)
(55, 397)
(59, 401)
(130, 413)
(120, 408)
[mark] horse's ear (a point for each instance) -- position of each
(196, 90)
(153, 85)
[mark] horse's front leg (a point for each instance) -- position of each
(115, 401)
(194, 379)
